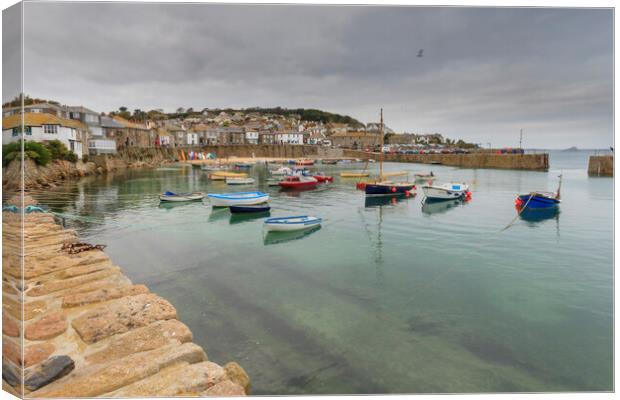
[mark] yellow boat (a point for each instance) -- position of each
(354, 174)
(222, 175)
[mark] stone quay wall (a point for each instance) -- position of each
(87, 330)
(531, 162)
(601, 166)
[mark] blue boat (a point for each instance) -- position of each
(257, 208)
(537, 200)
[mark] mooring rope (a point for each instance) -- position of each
(518, 213)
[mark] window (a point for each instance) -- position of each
(17, 131)
(50, 128)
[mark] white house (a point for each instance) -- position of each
(42, 127)
(290, 137)
(251, 137)
(192, 138)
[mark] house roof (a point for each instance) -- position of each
(38, 119)
(108, 122)
(128, 124)
(354, 134)
(81, 109)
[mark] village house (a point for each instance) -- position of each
(164, 138)
(355, 140)
(289, 137)
(231, 135)
(266, 137)
(178, 133)
(403, 139)
(207, 135)
(133, 134)
(335, 128)
(106, 142)
(43, 127)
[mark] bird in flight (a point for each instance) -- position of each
(421, 53)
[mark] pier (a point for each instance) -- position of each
(601, 166)
(87, 330)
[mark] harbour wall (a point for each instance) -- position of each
(601, 166)
(531, 162)
(87, 330)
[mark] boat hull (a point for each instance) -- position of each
(181, 197)
(249, 209)
(436, 193)
(538, 201)
(379, 189)
(289, 224)
(237, 199)
(354, 174)
(239, 181)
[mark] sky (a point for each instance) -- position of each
(485, 73)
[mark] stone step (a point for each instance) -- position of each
(121, 316)
(182, 379)
(101, 295)
(63, 284)
(152, 336)
(99, 379)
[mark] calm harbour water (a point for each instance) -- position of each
(392, 297)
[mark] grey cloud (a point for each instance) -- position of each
(486, 71)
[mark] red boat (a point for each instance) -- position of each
(298, 182)
(304, 162)
(323, 178)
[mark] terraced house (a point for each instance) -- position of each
(44, 127)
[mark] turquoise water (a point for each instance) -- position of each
(391, 297)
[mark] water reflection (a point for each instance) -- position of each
(218, 213)
(437, 207)
(246, 217)
(378, 201)
(169, 205)
(283, 237)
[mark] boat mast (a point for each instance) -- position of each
(381, 149)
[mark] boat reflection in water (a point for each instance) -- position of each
(378, 201)
(275, 237)
(246, 217)
(168, 205)
(437, 207)
(218, 213)
(539, 214)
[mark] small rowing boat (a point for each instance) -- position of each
(446, 191)
(296, 223)
(298, 182)
(354, 174)
(323, 178)
(237, 199)
(177, 197)
(282, 171)
(329, 162)
(240, 181)
(243, 165)
(222, 175)
(538, 200)
(304, 162)
(256, 208)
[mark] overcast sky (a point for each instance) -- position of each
(485, 73)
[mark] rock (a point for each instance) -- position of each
(225, 388)
(37, 352)
(178, 380)
(49, 326)
(238, 375)
(121, 316)
(34, 308)
(98, 379)
(63, 284)
(157, 334)
(10, 327)
(11, 351)
(52, 369)
(10, 373)
(97, 296)
(11, 307)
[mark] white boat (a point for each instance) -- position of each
(445, 191)
(240, 181)
(171, 196)
(286, 224)
(273, 182)
(237, 199)
(282, 171)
